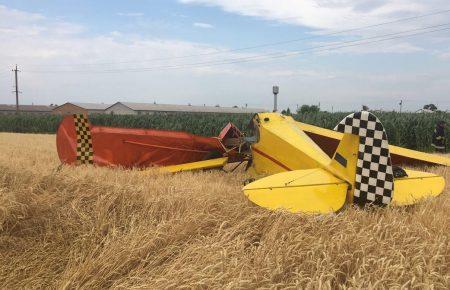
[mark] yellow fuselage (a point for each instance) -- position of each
(283, 146)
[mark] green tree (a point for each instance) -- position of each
(308, 109)
(431, 107)
(286, 112)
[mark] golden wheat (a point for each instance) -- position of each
(97, 228)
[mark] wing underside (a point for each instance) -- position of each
(78, 141)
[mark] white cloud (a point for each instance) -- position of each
(115, 33)
(327, 14)
(17, 16)
(444, 55)
(18, 23)
(130, 14)
(203, 25)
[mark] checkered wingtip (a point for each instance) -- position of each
(374, 182)
(85, 152)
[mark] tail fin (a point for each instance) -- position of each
(364, 160)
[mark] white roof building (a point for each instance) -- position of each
(80, 108)
(92, 106)
(124, 108)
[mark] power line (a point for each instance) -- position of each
(295, 53)
(269, 44)
(286, 54)
(251, 59)
(268, 56)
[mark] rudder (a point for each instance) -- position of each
(374, 179)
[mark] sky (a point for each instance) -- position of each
(341, 54)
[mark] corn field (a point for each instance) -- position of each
(206, 124)
(410, 130)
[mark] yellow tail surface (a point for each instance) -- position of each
(344, 162)
(306, 180)
(306, 191)
(416, 187)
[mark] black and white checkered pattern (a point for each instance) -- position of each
(85, 153)
(374, 182)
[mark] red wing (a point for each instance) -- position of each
(81, 142)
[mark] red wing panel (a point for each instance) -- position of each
(133, 147)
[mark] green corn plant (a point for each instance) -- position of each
(411, 130)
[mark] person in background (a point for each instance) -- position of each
(438, 141)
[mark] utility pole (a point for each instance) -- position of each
(401, 104)
(17, 88)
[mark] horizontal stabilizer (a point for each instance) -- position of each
(305, 191)
(416, 186)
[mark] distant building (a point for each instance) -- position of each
(126, 108)
(26, 109)
(80, 108)
(425, 111)
(122, 108)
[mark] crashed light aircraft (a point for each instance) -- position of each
(294, 166)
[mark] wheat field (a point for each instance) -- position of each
(87, 227)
